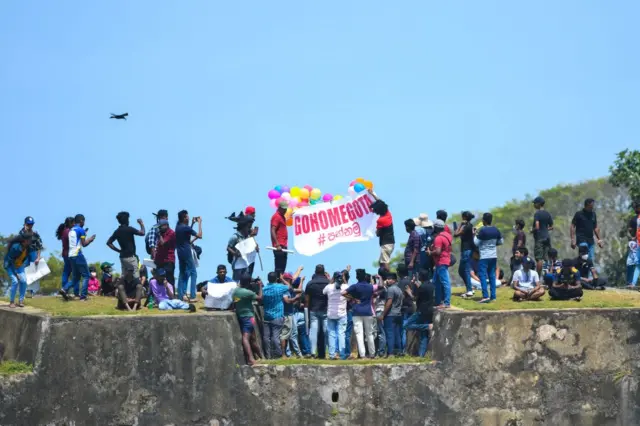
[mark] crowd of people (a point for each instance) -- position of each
(318, 317)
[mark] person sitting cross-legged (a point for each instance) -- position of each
(526, 282)
(162, 292)
(567, 286)
(129, 290)
(588, 274)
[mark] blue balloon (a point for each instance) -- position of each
(278, 188)
(313, 202)
(358, 187)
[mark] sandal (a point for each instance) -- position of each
(21, 305)
(12, 305)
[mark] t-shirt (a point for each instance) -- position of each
(124, 235)
(166, 252)
(363, 292)
(443, 241)
(584, 267)
(380, 299)
(384, 225)
(238, 262)
(159, 290)
(412, 244)
(282, 235)
(183, 240)
(65, 242)
(77, 235)
(396, 296)
(466, 238)
(585, 222)
(290, 308)
(545, 219)
(315, 291)
(520, 236)
(425, 300)
(243, 298)
(407, 302)
(526, 280)
(336, 302)
(272, 300)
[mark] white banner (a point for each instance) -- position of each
(317, 228)
(35, 272)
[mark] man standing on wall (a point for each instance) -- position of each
(487, 240)
(35, 248)
(124, 235)
(384, 230)
(583, 227)
(280, 237)
(441, 252)
(79, 267)
(542, 224)
(165, 250)
(151, 240)
(187, 263)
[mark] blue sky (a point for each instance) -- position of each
(455, 105)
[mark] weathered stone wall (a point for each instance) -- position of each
(502, 368)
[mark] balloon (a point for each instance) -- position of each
(327, 197)
(315, 193)
(313, 202)
(351, 191)
(361, 180)
(298, 199)
(359, 187)
(286, 196)
(304, 193)
(303, 203)
(289, 212)
(273, 204)
(278, 188)
(295, 192)
(293, 203)
(308, 187)
(290, 221)
(273, 194)
(368, 184)
(353, 182)
(337, 197)
(285, 188)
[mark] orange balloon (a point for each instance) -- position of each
(368, 184)
(290, 221)
(361, 180)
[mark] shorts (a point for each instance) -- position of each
(285, 334)
(541, 249)
(247, 324)
(385, 253)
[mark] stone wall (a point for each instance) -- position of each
(500, 368)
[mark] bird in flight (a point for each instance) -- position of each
(120, 116)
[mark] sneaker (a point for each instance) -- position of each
(485, 301)
(64, 295)
(467, 295)
(192, 307)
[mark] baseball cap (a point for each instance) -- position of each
(538, 200)
(161, 272)
(250, 210)
(287, 276)
(438, 223)
(162, 213)
(104, 265)
(29, 220)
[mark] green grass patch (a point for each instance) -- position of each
(610, 298)
(14, 367)
(97, 305)
(390, 360)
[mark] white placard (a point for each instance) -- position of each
(219, 296)
(35, 272)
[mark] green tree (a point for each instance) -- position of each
(625, 172)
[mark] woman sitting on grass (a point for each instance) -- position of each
(526, 282)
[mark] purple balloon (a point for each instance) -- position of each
(327, 197)
(285, 188)
(273, 194)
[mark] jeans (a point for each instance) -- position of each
(79, 269)
(393, 333)
(169, 304)
(349, 331)
(337, 330)
(414, 323)
(405, 317)
(382, 338)
(280, 261)
(293, 340)
(443, 286)
(464, 269)
(271, 338)
(305, 344)
(18, 279)
(238, 273)
(592, 250)
(636, 273)
(187, 270)
(363, 326)
(315, 318)
(487, 270)
(66, 273)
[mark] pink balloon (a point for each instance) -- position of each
(303, 203)
(353, 183)
(273, 194)
(327, 197)
(308, 187)
(273, 203)
(293, 203)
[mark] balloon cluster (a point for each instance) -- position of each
(303, 196)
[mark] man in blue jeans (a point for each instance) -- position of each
(79, 267)
(487, 240)
(465, 233)
(422, 320)
(274, 296)
(317, 302)
(187, 263)
(392, 316)
(441, 252)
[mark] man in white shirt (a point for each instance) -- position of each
(526, 282)
(239, 262)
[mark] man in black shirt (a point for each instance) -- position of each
(542, 224)
(316, 301)
(567, 286)
(588, 274)
(129, 290)
(422, 320)
(124, 235)
(583, 227)
(465, 233)
(405, 284)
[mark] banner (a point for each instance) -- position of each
(317, 228)
(35, 272)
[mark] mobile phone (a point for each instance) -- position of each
(257, 228)
(455, 226)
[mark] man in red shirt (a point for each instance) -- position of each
(384, 230)
(165, 257)
(280, 237)
(441, 252)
